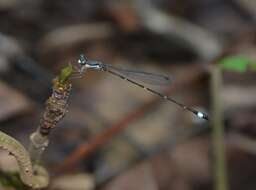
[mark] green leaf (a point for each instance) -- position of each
(12, 180)
(65, 74)
(236, 63)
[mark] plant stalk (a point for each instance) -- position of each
(218, 132)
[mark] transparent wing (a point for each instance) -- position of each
(145, 77)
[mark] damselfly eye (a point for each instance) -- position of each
(82, 60)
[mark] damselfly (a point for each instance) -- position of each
(131, 75)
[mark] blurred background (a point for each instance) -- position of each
(116, 135)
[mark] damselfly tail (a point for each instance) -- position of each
(195, 112)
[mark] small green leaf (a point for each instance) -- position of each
(11, 180)
(65, 74)
(236, 63)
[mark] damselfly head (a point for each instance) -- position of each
(82, 59)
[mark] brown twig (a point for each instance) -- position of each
(55, 109)
(85, 149)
